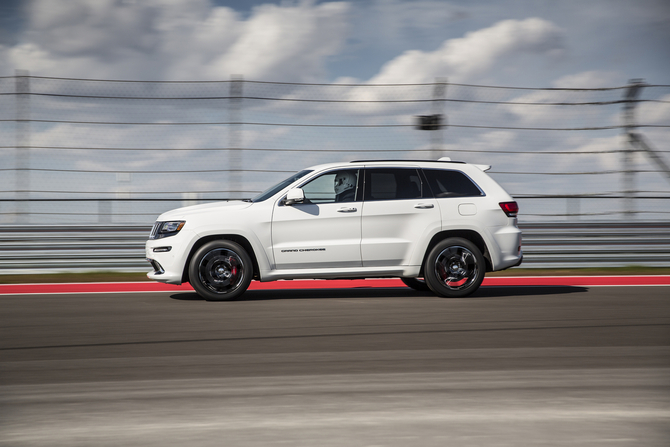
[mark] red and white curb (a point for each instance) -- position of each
(146, 286)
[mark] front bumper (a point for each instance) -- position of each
(158, 269)
(168, 257)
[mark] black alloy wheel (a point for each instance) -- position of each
(455, 268)
(220, 270)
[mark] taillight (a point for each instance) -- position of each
(510, 208)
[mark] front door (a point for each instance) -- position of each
(325, 230)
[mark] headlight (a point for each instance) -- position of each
(165, 229)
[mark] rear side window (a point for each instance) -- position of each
(392, 184)
(445, 183)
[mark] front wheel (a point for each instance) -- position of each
(220, 270)
(454, 268)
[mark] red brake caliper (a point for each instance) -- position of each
(233, 263)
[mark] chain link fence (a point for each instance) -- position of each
(88, 152)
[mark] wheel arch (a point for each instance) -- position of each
(469, 235)
(241, 240)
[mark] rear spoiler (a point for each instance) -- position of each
(482, 167)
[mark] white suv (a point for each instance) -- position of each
(438, 225)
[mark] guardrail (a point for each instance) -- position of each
(602, 244)
(50, 249)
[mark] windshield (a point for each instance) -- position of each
(279, 186)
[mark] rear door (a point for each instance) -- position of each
(399, 216)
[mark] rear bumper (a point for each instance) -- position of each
(509, 253)
(518, 263)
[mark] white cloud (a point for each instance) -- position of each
(178, 39)
(589, 79)
(655, 112)
(464, 58)
(284, 42)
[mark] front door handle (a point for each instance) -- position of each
(423, 206)
(347, 210)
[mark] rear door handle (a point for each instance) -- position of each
(347, 210)
(423, 206)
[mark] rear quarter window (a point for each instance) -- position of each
(446, 183)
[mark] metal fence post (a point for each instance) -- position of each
(235, 137)
(628, 158)
(439, 95)
(22, 163)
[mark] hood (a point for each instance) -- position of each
(185, 212)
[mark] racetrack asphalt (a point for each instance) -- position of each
(359, 366)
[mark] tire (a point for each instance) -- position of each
(418, 284)
(455, 268)
(220, 270)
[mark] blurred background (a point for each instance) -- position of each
(103, 151)
(112, 112)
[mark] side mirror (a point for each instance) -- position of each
(295, 195)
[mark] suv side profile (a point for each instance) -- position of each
(437, 225)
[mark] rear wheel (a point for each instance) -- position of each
(454, 268)
(418, 284)
(220, 270)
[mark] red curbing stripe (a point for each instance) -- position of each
(6, 289)
(648, 280)
(116, 287)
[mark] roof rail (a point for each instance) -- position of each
(410, 161)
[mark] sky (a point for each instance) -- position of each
(513, 43)
(537, 43)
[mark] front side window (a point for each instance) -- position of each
(447, 183)
(279, 186)
(332, 187)
(392, 184)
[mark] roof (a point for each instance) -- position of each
(442, 161)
